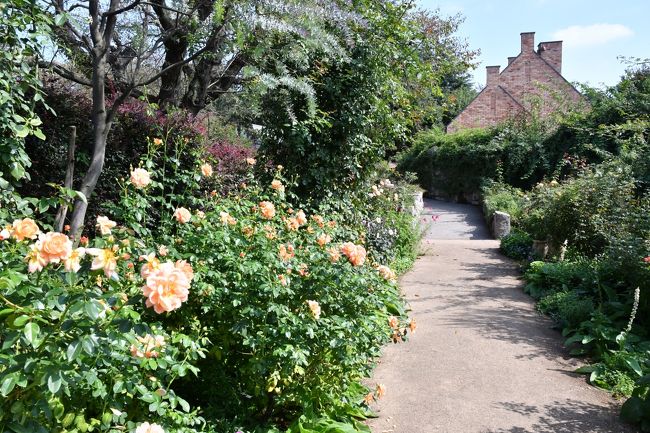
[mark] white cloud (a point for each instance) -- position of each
(594, 34)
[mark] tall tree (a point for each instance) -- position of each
(180, 53)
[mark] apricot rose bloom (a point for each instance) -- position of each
(334, 254)
(105, 259)
(140, 178)
(315, 309)
(267, 209)
(386, 272)
(324, 239)
(25, 229)
(277, 185)
(393, 322)
(251, 161)
(35, 261)
(145, 427)
(182, 215)
(206, 170)
(301, 218)
(147, 345)
(54, 247)
(104, 225)
(286, 252)
(356, 254)
(73, 263)
(226, 218)
(167, 287)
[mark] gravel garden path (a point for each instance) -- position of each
(482, 360)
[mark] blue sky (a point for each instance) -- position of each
(595, 32)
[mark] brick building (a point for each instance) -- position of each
(532, 81)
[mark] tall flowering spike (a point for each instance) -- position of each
(25, 228)
(167, 287)
(104, 225)
(140, 178)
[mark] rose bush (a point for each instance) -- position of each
(278, 309)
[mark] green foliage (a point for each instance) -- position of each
(78, 352)
(517, 245)
(502, 197)
(453, 164)
(22, 27)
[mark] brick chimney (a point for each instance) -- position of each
(552, 53)
(527, 42)
(511, 59)
(492, 75)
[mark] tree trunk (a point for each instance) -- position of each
(101, 127)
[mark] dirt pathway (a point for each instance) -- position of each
(482, 360)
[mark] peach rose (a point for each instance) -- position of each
(140, 178)
(386, 272)
(287, 252)
(393, 322)
(35, 261)
(163, 250)
(324, 239)
(315, 309)
(147, 346)
(73, 263)
(318, 220)
(355, 253)
(151, 265)
(381, 390)
(277, 185)
(251, 161)
(292, 224)
(334, 255)
(184, 266)
(166, 288)
(227, 219)
(145, 427)
(182, 215)
(54, 247)
(157, 141)
(25, 229)
(104, 259)
(206, 170)
(104, 225)
(369, 398)
(301, 218)
(267, 209)
(4, 234)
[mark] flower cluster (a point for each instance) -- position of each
(356, 254)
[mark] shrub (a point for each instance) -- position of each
(502, 197)
(517, 245)
(81, 350)
(293, 307)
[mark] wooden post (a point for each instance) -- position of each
(59, 221)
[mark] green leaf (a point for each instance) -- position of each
(74, 349)
(184, 404)
(633, 410)
(81, 196)
(634, 365)
(20, 321)
(8, 384)
(54, 382)
(31, 332)
(585, 369)
(92, 309)
(38, 134)
(60, 19)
